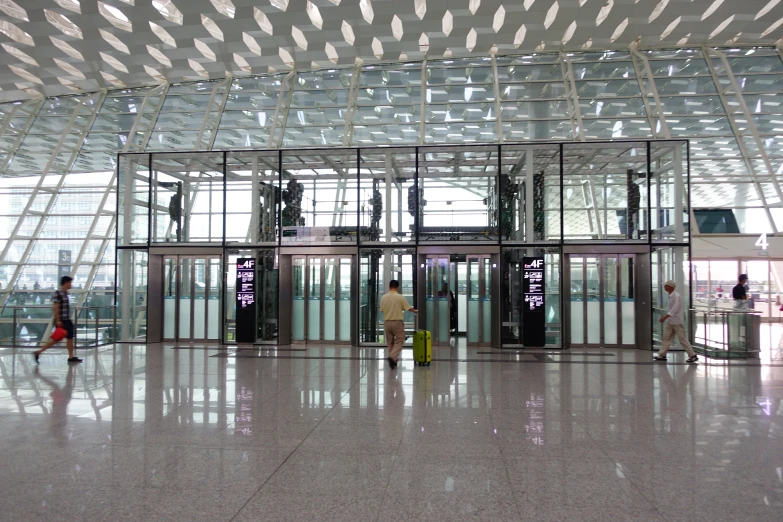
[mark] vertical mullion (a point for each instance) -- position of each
(306, 267)
(601, 288)
(585, 341)
(192, 298)
(618, 289)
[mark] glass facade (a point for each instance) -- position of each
(58, 156)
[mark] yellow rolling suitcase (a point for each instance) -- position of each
(422, 345)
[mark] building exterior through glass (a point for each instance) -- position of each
(59, 169)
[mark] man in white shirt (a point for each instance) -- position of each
(393, 304)
(675, 325)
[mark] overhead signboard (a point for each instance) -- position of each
(533, 309)
(246, 300)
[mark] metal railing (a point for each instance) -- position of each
(726, 334)
(30, 326)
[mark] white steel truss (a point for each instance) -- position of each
(726, 84)
(18, 120)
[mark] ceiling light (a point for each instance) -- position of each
(159, 56)
(299, 37)
(448, 23)
(377, 48)
(420, 8)
(115, 16)
(262, 21)
(13, 51)
(367, 12)
(114, 41)
(70, 69)
(280, 4)
(114, 62)
(520, 36)
(63, 24)
(552, 14)
(13, 9)
(348, 33)
(168, 10)
(604, 12)
(71, 5)
(67, 48)
(470, 41)
(224, 7)
(251, 44)
(212, 27)
(315, 15)
(396, 26)
(500, 18)
(14, 33)
(164, 35)
(22, 73)
(331, 53)
(205, 50)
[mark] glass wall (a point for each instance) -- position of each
(545, 193)
(714, 279)
(376, 268)
(512, 298)
(267, 279)
(49, 147)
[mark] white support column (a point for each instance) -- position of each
(89, 108)
(280, 119)
(423, 103)
(707, 52)
(530, 166)
(29, 108)
(496, 88)
(387, 258)
(679, 195)
(255, 212)
(350, 113)
(596, 211)
(644, 76)
(574, 113)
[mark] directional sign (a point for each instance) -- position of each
(246, 300)
(533, 307)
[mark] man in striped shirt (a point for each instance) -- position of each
(62, 319)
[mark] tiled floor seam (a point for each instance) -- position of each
(500, 449)
(394, 464)
(256, 492)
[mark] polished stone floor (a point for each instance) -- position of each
(330, 433)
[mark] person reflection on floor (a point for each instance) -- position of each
(675, 400)
(393, 408)
(58, 417)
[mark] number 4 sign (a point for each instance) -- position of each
(762, 241)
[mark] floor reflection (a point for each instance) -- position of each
(328, 432)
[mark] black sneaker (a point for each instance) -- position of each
(392, 364)
(37, 356)
(660, 357)
(74, 360)
(692, 359)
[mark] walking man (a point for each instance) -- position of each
(740, 293)
(62, 319)
(393, 304)
(675, 325)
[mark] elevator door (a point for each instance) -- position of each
(602, 300)
(471, 285)
(191, 298)
(321, 298)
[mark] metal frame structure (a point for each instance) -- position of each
(22, 123)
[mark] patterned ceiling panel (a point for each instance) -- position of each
(56, 47)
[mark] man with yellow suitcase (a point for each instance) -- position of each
(393, 304)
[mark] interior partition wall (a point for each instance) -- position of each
(485, 207)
